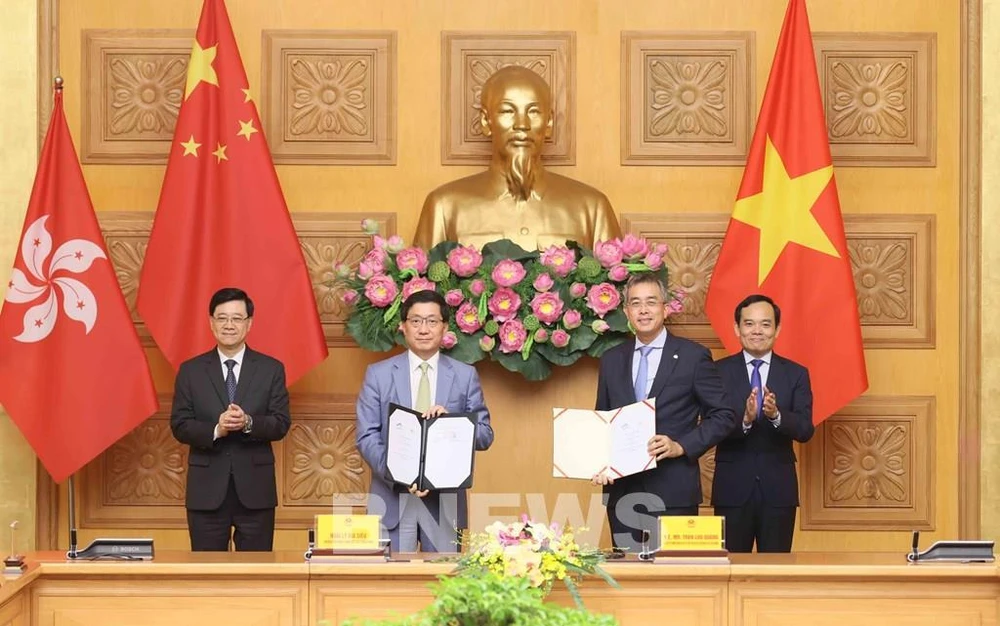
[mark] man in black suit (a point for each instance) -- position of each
(229, 405)
(755, 487)
(682, 377)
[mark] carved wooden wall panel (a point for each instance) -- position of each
(892, 257)
(687, 98)
(326, 239)
(140, 481)
(132, 92)
(872, 466)
(880, 98)
(330, 96)
(469, 58)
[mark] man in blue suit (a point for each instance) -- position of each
(682, 377)
(430, 382)
(755, 486)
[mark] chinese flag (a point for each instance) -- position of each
(73, 375)
(786, 235)
(222, 220)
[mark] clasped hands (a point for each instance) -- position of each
(770, 406)
(434, 411)
(233, 419)
(660, 447)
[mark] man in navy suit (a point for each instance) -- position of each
(229, 405)
(683, 379)
(755, 486)
(430, 382)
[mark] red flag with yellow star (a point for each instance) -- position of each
(222, 220)
(786, 235)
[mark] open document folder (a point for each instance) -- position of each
(586, 442)
(433, 453)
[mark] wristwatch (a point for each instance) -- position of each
(249, 425)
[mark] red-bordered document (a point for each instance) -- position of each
(587, 442)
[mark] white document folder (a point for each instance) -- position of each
(587, 442)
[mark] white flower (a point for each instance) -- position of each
(78, 301)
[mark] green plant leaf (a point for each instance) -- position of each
(617, 321)
(581, 338)
(532, 368)
(467, 349)
(558, 356)
(440, 251)
(497, 251)
(605, 342)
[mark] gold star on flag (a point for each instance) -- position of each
(246, 129)
(200, 68)
(782, 211)
(190, 147)
(246, 95)
(220, 153)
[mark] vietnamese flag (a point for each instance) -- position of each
(786, 235)
(73, 375)
(222, 220)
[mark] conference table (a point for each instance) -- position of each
(257, 589)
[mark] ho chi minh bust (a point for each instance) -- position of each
(516, 198)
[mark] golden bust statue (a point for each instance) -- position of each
(516, 198)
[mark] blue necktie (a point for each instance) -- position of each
(231, 380)
(643, 375)
(755, 383)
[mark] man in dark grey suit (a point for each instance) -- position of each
(229, 405)
(682, 378)
(755, 486)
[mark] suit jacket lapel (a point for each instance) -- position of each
(213, 371)
(401, 380)
(444, 381)
(738, 374)
(668, 361)
(247, 371)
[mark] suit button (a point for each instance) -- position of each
(757, 478)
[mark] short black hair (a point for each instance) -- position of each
(229, 294)
(754, 299)
(425, 295)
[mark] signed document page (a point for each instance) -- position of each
(586, 442)
(403, 447)
(450, 445)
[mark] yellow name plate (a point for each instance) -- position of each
(347, 532)
(696, 532)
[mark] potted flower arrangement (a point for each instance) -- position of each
(526, 310)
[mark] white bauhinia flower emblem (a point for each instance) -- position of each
(78, 301)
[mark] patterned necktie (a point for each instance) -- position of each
(423, 389)
(755, 383)
(642, 377)
(231, 380)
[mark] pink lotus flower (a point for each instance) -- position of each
(559, 259)
(449, 340)
(609, 253)
(477, 287)
(394, 244)
(369, 226)
(508, 273)
(343, 270)
(618, 273)
(578, 290)
(603, 298)
(512, 336)
(677, 304)
(464, 260)
(378, 243)
(467, 318)
(349, 297)
(600, 327)
(414, 285)
(634, 247)
(660, 249)
(454, 297)
(654, 261)
(547, 307)
(381, 291)
(504, 303)
(541, 335)
(487, 343)
(572, 319)
(543, 282)
(366, 270)
(560, 338)
(412, 259)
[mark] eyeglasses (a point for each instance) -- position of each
(649, 304)
(222, 320)
(429, 322)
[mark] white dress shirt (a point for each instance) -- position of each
(653, 358)
(415, 374)
(765, 369)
